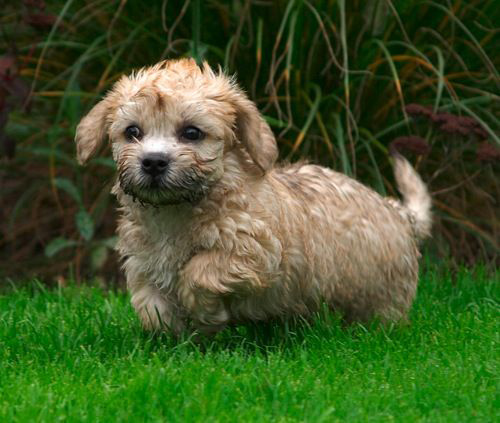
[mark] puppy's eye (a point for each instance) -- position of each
(192, 133)
(133, 132)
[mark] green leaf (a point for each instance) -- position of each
(110, 242)
(98, 257)
(275, 122)
(68, 186)
(85, 224)
(58, 244)
(104, 161)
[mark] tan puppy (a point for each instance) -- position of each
(212, 233)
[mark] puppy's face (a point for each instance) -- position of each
(168, 137)
(170, 127)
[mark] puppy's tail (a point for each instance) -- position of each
(416, 198)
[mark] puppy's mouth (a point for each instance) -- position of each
(162, 190)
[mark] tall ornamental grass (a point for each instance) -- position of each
(342, 83)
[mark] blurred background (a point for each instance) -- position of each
(340, 82)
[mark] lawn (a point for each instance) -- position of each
(79, 354)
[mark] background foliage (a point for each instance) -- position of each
(341, 83)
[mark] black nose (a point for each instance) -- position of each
(154, 164)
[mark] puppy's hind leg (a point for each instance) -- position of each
(387, 303)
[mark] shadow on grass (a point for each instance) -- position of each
(271, 336)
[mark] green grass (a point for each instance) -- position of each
(78, 354)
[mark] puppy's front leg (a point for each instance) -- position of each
(201, 291)
(155, 309)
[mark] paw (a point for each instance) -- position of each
(156, 311)
(211, 318)
(206, 309)
(210, 324)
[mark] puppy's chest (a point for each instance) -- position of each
(155, 252)
(166, 259)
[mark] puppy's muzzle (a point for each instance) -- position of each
(155, 164)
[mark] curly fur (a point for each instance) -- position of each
(228, 236)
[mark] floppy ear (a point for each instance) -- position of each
(254, 133)
(91, 131)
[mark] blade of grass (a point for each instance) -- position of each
(375, 166)
(52, 32)
(273, 68)
(196, 28)
(339, 134)
(312, 113)
(258, 56)
(345, 76)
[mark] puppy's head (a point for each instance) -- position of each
(170, 126)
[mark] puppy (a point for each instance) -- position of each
(213, 233)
